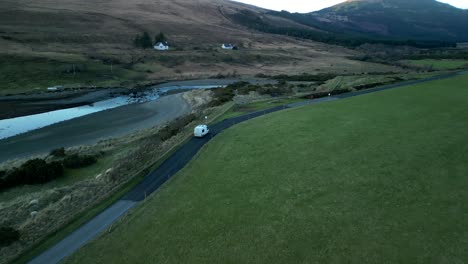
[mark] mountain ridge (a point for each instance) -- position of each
(396, 18)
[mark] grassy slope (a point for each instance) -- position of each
(22, 73)
(438, 64)
(37, 53)
(75, 175)
(373, 179)
(239, 110)
(70, 176)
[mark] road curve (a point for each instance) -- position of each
(170, 167)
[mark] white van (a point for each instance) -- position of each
(201, 131)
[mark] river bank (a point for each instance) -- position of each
(29, 104)
(91, 128)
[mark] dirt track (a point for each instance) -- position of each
(92, 128)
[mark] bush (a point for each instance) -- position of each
(261, 75)
(322, 77)
(249, 88)
(339, 91)
(59, 153)
(76, 161)
(237, 85)
(35, 171)
(221, 96)
(8, 235)
(143, 41)
(175, 127)
(278, 91)
(372, 85)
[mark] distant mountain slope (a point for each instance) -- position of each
(84, 43)
(117, 21)
(404, 19)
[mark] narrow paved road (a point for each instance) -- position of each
(92, 128)
(170, 167)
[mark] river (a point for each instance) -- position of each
(15, 126)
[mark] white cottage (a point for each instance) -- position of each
(161, 46)
(227, 46)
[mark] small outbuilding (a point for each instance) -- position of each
(161, 46)
(228, 46)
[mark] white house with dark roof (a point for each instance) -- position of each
(161, 46)
(227, 46)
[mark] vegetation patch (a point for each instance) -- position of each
(175, 127)
(39, 171)
(305, 77)
(76, 161)
(35, 171)
(433, 64)
(8, 235)
(222, 95)
(58, 153)
(19, 74)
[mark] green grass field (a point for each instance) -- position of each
(438, 64)
(379, 178)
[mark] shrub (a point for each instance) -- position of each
(175, 126)
(59, 153)
(3, 184)
(322, 77)
(35, 171)
(373, 85)
(281, 83)
(317, 95)
(143, 41)
(339, 91)
(272, 91)
(76, 161)
(249, 88)
(261, 75)
(8, 235)
(237, 85)
(221, 96)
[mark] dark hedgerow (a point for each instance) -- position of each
(76, 161)
(59, 153)
(175, 126)
(325, 94)
(8, 235)
(249, 88)
(221, 96)
(35, 171)
(237, 85)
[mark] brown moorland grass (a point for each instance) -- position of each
(55, 35)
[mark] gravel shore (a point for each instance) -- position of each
(92, 128)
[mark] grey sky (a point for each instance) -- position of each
(304, 6)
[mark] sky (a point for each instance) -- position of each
(305, 6)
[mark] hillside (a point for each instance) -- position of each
(396, 19)
(357, 22)
(87, 43)
(116, 21)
